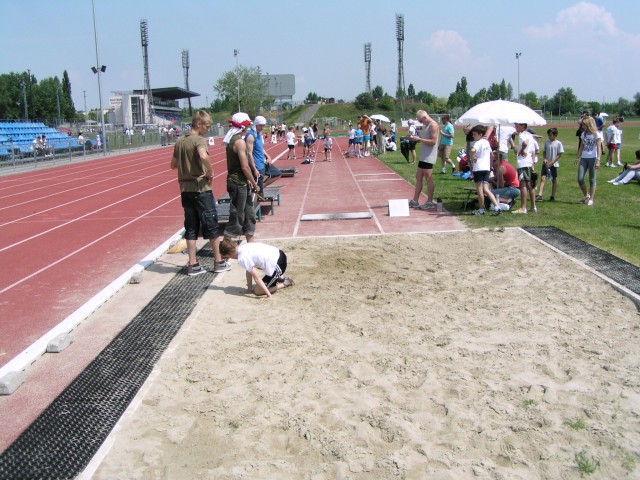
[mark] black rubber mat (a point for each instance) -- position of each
(618, 270)
(63, 439)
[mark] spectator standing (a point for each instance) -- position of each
(612, 142)
(291, 143)
(328, 145)
(428, 138)
(524, 158)
(195, 174)
(446, 144)
(588, 159)
(480, 156)
(258, 157)
(365, 125)
(240, 181)
(412, 133)
(553, 150)
(358, 139)
(393, 129)
(506, 134)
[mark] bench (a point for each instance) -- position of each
(223, 212)
(288, 171)
(271, 194)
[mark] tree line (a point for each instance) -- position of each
(22, 96)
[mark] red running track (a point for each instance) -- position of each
(69, 231)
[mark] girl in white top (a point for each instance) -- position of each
(589, 154)
(328, 144)
(255, 255)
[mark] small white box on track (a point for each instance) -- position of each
(399, 207)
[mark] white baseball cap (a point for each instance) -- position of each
(260, 120)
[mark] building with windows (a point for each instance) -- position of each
(128, 109)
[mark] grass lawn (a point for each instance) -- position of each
(612, 224)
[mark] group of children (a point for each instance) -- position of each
(523, 182)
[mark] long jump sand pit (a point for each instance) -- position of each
(469, 355)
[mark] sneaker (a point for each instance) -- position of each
(590, 203)
(552, 199)
(413, 204)
(427, 205)
(479, 212)
(195, 269)
(620, 164)
(287, 282)
(454, 170)
(496, 212)
(585, 199)
(443, 171)
(222, 266)
(617, 183)
(519, 211)
(538, 198)
(535, 209)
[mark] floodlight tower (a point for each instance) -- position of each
(400, 38)
(367, 64)
(185, 68)
(144, 36)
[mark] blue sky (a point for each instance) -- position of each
(591, 47)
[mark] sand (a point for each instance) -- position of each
(470, 355)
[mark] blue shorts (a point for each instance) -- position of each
(367, 138)
(200, 214)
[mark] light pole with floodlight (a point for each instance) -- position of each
(98, 69)
(518, 55)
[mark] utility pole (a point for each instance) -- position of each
(235, 54)
(518, 55)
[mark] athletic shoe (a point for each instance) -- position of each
(519, 211)
(620, 164)
(413, 204)
(608, 164)
(195, 269)
(427, 205)
(613, 180)
(535, 209)
(590, 203)
(454, 170)
(479, 212)
(618, 183)
(538, 198)
(443, 171)
(288, 281)
(496, 212)
(222, 266)
(585, 199)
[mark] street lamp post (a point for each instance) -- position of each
(235, 54)
(98, 69)
(518, 55)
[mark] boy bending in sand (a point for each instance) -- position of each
(254, 255)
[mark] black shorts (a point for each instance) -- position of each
(200, 214)
(271, 280)
(425, 165)
(545, 171)
(412, 145)
(481, 176)
(291, 147)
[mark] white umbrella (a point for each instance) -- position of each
(602, 114)
(500, 112)
(379, 116)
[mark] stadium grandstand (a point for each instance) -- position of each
(130, 109)
(17, 139)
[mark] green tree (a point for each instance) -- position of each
(411, 92)
(563, 101)
(246, 85)
(424, 97)
(461, 96)
(364, 101)
(312, 97)
(66, 101)
(377, 92)
(531, 99)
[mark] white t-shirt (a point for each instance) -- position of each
(590, 144)
(482, 154)
(611, 134)
(291, 138)
(504, 133)
(352, 133)
(618, 137)
(527, 159)
(261, 255)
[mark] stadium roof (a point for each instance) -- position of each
(170, 93)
